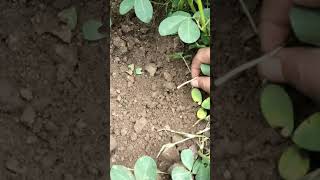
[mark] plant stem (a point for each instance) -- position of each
(187, 82)
(193, 9)
(247, 12)
(180, 4)
(245, 66)
(202, 16)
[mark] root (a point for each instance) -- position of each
(245, 66)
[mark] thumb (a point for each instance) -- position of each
(308, 3)
(203, 83)
(296, 66)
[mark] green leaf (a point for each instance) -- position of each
(307, 134)
(170, 25)
(206, 12)
(205, 69)
(293, 164)
(180, 173)
(203, 173)
(138, 71)
(189, 31)
(206, 104)
(181, 13)
(126, 6)
(201, 114)
(277, 108)
(145, 168)
(143, 10)
(305, 24)
(69, 16)
(196, 166)
(314, 175)
(118, 172)
(187, 158)
(90, 30)
(196, 95)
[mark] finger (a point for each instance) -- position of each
(202, 83)
(202, 57)
(308, 3)
(275, 23)
(298, 67)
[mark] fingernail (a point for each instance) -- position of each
(195, 83)
(272, 69)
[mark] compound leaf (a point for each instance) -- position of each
(205, 69)
(206, 104)
(126, 6)
(118, 172)
(170, 25)
(187, 158)
(277, 108)
(180, 173)
(90, 30)
(305, 24)
(293, 164)
(307, 134)
(202, 114)
(145, 168)
(203, 172)
(143, 10)
(196, 95)
(189, 31)
(70, 17)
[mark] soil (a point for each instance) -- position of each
(245, 147)
(143, 104)
(51, 93)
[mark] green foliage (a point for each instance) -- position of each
(201, 114)
(198, 167)
(206, 104)
(305, 24)
(196, 95)
(293, 164)
(314, 175)
(145, 168)
(120, 173)
(277, 108)
(307, 134)
(126, 6)
(205, 69)
(69, 16)
(142, 8)
(90, 30)
(189, 31)
(170, 25)
(181, 173)
(187, 158)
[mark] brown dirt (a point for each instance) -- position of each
(245, 147)
(51, 105)
(146, 98)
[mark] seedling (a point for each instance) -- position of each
(193, 166)
(142, 8)
(277, 108)
(144, 168)
(90, 30)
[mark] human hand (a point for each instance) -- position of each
(202, 57)
(296, 66)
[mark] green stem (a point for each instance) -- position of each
(202, 17)
(180, 4)
(193, 9)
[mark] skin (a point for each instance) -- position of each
(297, 66)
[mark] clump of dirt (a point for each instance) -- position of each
(143, 104)
(245, 147)
(51, 93)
